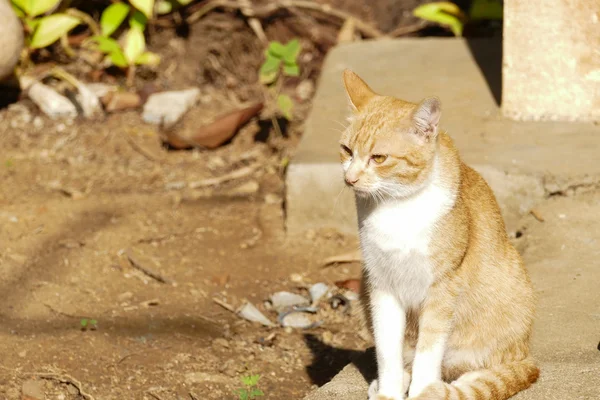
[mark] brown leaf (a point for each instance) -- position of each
(117, 101)
(350, 284)
(216, 133)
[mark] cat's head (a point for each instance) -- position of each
(389, 147)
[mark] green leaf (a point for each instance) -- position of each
(269, 70)
(291, 51)
(486, 9)
(17, 9)
(118, 59)
(251, 380)
(444, 13)
(184, 2)
(138, 21)
(145, 6)
(112, 48)
(135, 44)
(93, 322)
(164, 7)
(243, 394)
(148, 58)
(285, 104)
(21, 5)
(113, 17)
(256, 393)
(276, 49)
(83, 322)
(51, 28)
(106, 44)
(33, 8)
(291, 69)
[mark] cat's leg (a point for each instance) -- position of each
(435, 324)
(374, 386)
(389, 323)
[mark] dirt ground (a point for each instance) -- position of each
(78, 198)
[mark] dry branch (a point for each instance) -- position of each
(68, 379)
(365, 28)
(237, 174)
(137, 264)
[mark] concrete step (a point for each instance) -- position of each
(522, 161)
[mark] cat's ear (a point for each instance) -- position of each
(359, 93)
(427, 116)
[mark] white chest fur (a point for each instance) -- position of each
(396, 238)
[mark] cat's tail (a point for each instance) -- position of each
(500, 382)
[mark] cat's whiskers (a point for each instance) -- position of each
(341, 124)
(337, 198)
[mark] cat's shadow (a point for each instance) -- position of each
(328, 361)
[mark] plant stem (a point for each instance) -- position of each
(89, 21)
(130, 75)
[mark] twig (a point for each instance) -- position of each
(157, 397)
(405, 30)
(87, 19)
(239, 173)
(135, 262)
(64, 42)
(146, 154)
(66, 379)
(64, 314)
(353, 256)
(126, 356)
(267, 10)
(193, 396)
(246, 9)
(226, 306)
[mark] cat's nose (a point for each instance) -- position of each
(351, 180)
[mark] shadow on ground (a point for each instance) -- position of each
(328, 361)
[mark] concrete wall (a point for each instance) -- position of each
(551, 66)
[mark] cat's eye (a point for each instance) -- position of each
(347, 150)
(378, 158)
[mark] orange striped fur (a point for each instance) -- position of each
(439, 270)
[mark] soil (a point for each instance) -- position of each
(78, 199)
(81, 198)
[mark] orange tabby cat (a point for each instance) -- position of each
(447, 296)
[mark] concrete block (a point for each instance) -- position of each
(551, 60)
(520, 155)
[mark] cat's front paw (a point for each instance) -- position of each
(374, 395)
(373, 389)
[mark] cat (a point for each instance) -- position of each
(446, 295)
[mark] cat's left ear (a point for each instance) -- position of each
(427, 116)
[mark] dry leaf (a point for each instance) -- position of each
(214, 134)
(350, 284)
